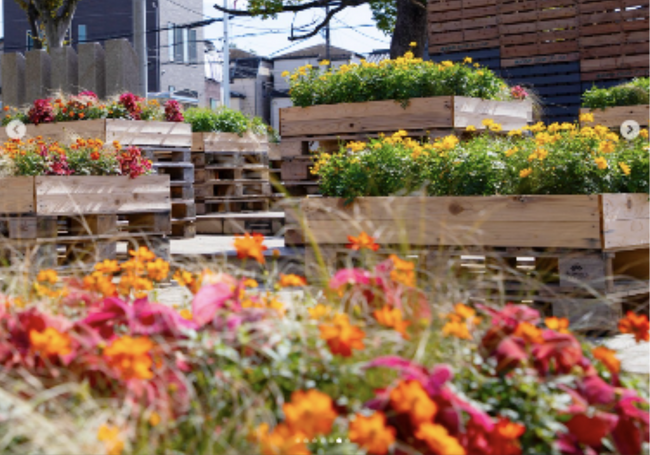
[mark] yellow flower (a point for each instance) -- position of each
(447, 64)
(50, 342)
(285, 73)
(49, 276)
(511, 151)
(514, 133)
(480, 73)
(413, 44)
(525, 173)
(601, 162)
(449, 142)
(470, 129)
(186, 314)
(154, 419)
(587, 118)
(625, 168)
(467, 60)
(644, 133)
(495, 127)
(324, 62)
(110, 436)
(319, 311)
(487, 122)
(476, 65)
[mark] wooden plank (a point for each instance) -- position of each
(539, 49)
(460, 46)
(602, 29)
(17, 195)
(511, 115)
(465, 24)
(149, 133)
(543, 37)
(615, 38)
(228, 142)
(615, 50)
(64, 132)
(614, 74)
(540, 60)
(373, 116)
(101, 194)
(538, 26)
(614, 116)
(615, 63)
(626, 221)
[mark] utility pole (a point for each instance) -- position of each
(140, 43)
(225, 80)
(327, 38)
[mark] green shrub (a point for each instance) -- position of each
(629, 94)
(224, 120)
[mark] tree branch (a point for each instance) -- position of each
(325, 21)
(419, 4)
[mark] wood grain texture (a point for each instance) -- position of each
(540, 60)
(510, 114)
(626, 221)
(169, 134)
(101, 194)
(613, 117)
(228, 142)
(17, 195)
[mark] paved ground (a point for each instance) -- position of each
(634, 357)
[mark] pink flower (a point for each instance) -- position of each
(518, 92)
(209, 300)
(349, 276)
(173, 111)
(41, 112)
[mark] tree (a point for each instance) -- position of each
(405, 20)
(49, 20)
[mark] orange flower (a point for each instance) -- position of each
(505, 438)
(409, 397)
(458, 329)
(107, 266)
(361, 242)
(439, 440)
(250, 283)
(310, 413)
(94, 156)
(110, 436)
(142, 254)
(529, 333)
(319, 311)
(403, 271)
(372, 433)
(635, 324)
(341, 336)
(458, 322)
(97, 282)
(250, 246)
(50, 342)
(81, 115)
(48, 276)
(608, 357)
(281, 441)
(291, 280)
(130, 356)
(392, 318)
(158, 269)
(560, 325)
(186, 314)
(188, 280)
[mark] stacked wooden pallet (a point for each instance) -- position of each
(177, 163)
(613, 39)
(52, 221)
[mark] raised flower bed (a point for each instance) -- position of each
(612, 106)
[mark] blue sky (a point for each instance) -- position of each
(352, 29)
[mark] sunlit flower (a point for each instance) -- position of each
(511, 151)
(643, 133)
(495, 127)
(107, 266)
(110, 436)
(560, 325)
(310, 413)
(158, 269)
(319, 311)
(529, 333)
(586, 118)
(130, 356)
(470, 128)
(413, 44)
(392, 317)
(456, 328)
(505, 437)
(403, 271)
(607, 147)
(608, 357)
(601, 162)
(250, 246)
(142, 254)
(525, 173)
(47, 276)
(50, 342)
(637, 325)
(285, 74)
(324, 62)
(625, 168)
(186, 314)
(341, 336)
(438, 439)
(291, 280)
(364, 241)
(281, 441)
(409, 397)
(371, 433)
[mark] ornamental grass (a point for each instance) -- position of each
(400, 79)
(382, 359)
(554, 159)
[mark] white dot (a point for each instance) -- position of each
(339, 440)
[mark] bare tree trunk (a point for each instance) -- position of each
(55, 30)
(410, 27)
(32, 17)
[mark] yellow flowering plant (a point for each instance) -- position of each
(558, 159)
(400, 79)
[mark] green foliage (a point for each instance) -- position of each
(400, 79)
(384, 12)
(224, 120)
(560, 160)
(629, 94)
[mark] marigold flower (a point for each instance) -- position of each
(409, 397)
(50, 342)
(319, 311)
(504, 439)
(372, 434)
(470, 128)
(608, 358)
(606, 147)
(142, 254)
(110, 436)
(310, 413)
(186, 314)
(130, 356)
(291, 280)
(403, 271)
(625, 168)
(107, 266)
(525, 173)
(439, 440)
(158, 269)
(601, 162)
(361, 242)
(98, 282)
(560, 325)
(47, 276)
(341, 336)
(643, 133)
(637, 325)
(495, 127)
(282, 440)
(586, 118)
(529, 333)
(285, 74)
(140, 286)
(467, 60)
(392, 317)
(458, 329)
(188, 280)
(413, 44)
(250, 246)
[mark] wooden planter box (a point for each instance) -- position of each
(613, 117)
(589, 239)
(228, 142)
(127, 132)
(422, 114)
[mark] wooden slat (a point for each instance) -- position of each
(510, 114)
(64, 132)
(626, 220)
(374, 116)
(228, 142)
(615, 38)
(616, 50)
(128, 132)
(603, 29)
(614, 74)
(539, 49)
(101, 194)
(17, 195)
(540, 60)
(537, 26)
(460, 46)
(613, 117)
(465, 24)
(615, 63)
(544, 37)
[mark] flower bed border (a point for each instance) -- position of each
(127, 132)
(613, 117)
(441, 112)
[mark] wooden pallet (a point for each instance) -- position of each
(267, 223)
(613, 117)
(180, 169)
(469, 23)
(233, 205)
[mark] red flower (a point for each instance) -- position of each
(504, 439)
(173, 111)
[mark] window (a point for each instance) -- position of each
(172, 88)
(213, 104)
(170, 40)
(81, 33)
(186, 51)
(30, 41)
(178, 44)
(194, 59)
